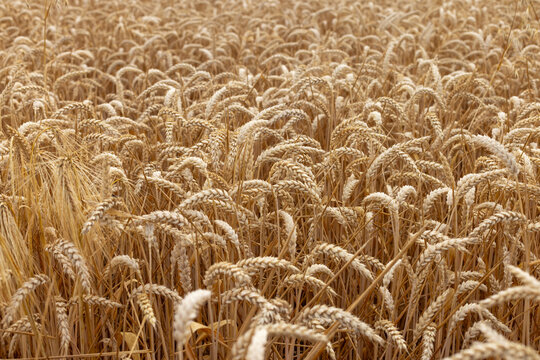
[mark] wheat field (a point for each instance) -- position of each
(242, 179)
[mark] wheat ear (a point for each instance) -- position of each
(63, 323)
(185, 312)
(328, 315)
(498, 150)
(21, 293)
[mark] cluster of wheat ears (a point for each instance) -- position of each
(281, 180)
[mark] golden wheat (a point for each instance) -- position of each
(359, 179)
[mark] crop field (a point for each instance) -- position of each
(279, 179)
